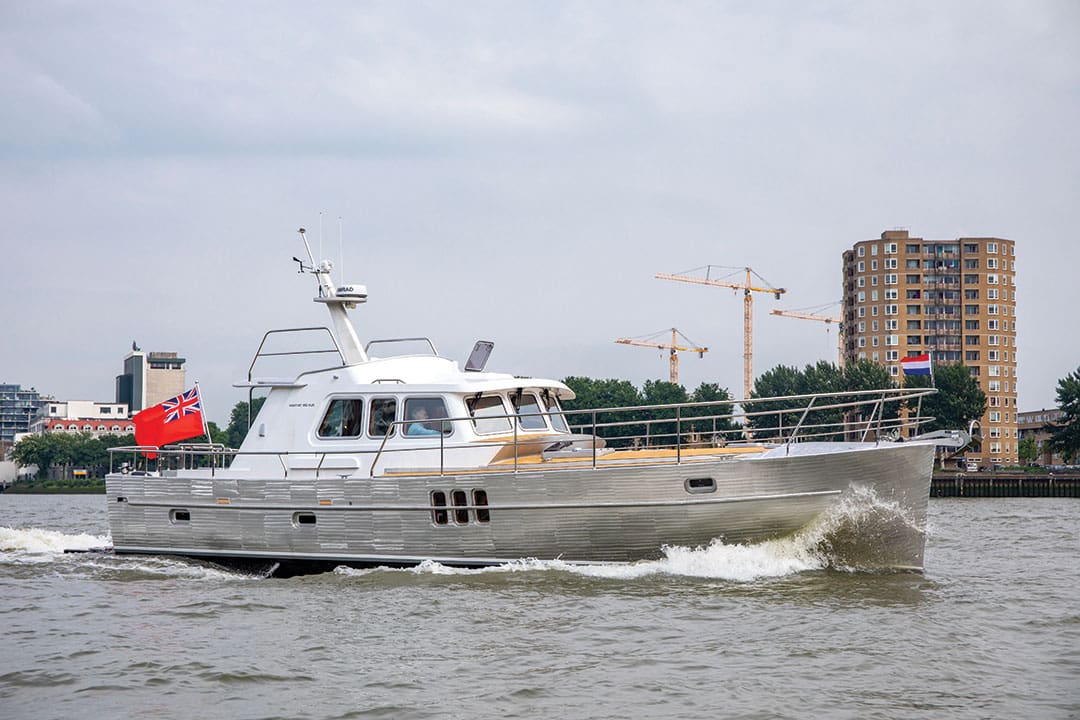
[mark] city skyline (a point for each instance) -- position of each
(517, 173)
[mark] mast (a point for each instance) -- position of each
(338, 302)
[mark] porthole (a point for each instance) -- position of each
(300, 519)
(700, 485)
(179, 517)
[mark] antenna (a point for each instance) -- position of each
(320, 235)
(303, 236)
(341, 252)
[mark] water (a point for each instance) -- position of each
(991, 630)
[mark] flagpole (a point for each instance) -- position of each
(930, 354)
(202, 411)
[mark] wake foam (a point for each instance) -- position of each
(37, 542)
(738, 563)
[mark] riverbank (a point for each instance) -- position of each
(92, 486)
(1005, 484)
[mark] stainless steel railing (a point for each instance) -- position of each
(852, 415)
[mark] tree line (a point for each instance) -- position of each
(58, 454)
(958, 401)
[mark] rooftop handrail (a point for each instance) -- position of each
(387, 341)
(260, 354)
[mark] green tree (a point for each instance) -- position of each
(217, 435)
(591, 394)
(861, 376)
(822, 377)
(763, 417)
(1028, 450)
(35, 450)
(661, 392)
(238, 426)
(720, 399)
(56, 454)
(867, 375)
(1065, 434)
(958, 400)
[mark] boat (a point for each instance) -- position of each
(374, 457)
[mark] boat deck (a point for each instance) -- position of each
(585, 459)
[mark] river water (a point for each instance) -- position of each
(990, 630)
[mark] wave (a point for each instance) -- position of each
(738, 563)
(35, 546)
(38, 541)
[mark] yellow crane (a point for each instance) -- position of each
(748, 288)
(673, 347)
(827, 319)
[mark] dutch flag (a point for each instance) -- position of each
(916, 365)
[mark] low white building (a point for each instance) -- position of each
(83, 416)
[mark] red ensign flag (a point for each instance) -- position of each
(179, 418)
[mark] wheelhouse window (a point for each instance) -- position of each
(528, 410)
(342, 418)
(488, 414)
(558, 421)
(425, 417)
(381, 419)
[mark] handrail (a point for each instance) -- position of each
(386, 341)
(665, 432)
(259, 353)
(798, 425)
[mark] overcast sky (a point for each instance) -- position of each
(515, 171)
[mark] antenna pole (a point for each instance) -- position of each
(303, 236)
(341, 253)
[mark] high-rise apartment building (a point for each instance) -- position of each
(17, 410)
(149, 378)
(956, 299)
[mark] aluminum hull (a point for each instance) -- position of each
(577, 514)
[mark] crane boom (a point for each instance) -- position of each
(748, 289)
(827, 319)
(673, 348)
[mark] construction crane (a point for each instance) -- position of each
(827, 319)
(673, 347)
(748, 289)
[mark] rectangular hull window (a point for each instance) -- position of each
(480, 500)
(439, 513)
(461, 502)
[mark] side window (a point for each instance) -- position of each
(528, 409)
(383, 414)
(485, 412)
(422, 415)
(343, 418)
(558, 421)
